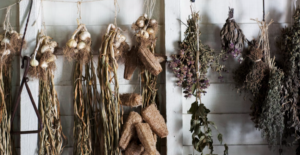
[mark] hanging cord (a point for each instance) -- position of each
(150, 5)
(6, 24)
(117, 10)
(79, 12)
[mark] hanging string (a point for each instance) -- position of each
(117, 9)
(6, 24)
(79, 12)
(44, 30)
(150, 5)
(10, 5)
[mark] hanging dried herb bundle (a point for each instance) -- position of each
(289, 45)
(43, 59)
(110, 97)
(51, 137)
(271, 121)
(184, 64)
(232, 36)
(191, 66)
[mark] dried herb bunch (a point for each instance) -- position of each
(184, 64)
(291, 52)
(232, 36)
(191, 66)
(43, 59)
(110, 97)
(271, 121)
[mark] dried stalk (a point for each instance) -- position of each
(110, 99)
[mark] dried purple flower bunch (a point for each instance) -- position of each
(183, 64)
(190, 67)
(232, 37)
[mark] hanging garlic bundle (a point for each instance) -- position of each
(43, 58)
(43, 66)
(232, 37)
(10, 44)
(113, 44)
(79, 46)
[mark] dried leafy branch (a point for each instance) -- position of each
(190, 67)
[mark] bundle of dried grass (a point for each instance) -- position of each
(232, 36)
(51, 138)
(129, 129)
(131, 100)
(134, 149)
(146, 137)
(43, 59)
(111, 44)
(153, 117)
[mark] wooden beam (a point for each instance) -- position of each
(173, 93)
(28, 118)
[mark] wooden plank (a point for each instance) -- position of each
(236, 129)
(173, 93)
(28, 116)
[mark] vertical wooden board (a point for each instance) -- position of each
(67, 123)
(173, 93)
(29, 119)
(235, 128)
(188, 150)
(221, 98)
(65, 97)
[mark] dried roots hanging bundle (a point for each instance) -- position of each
(43, 59)
(271, 121)
(79, 46)
(190, 66)
(110, 100)
(289, 45)
(232, 36)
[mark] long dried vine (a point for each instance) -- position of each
(113, 44)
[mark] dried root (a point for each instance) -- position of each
(132, 100)
(131, 63)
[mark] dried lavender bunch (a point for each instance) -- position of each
(183, 64)
(271, 121)
(232, 37)
(191, 66)
(289, 44)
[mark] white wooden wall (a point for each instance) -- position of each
(229, 110)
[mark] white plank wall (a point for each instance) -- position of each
(229, 110)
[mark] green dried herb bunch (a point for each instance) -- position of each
(289, 45)
(271, 121)
(184, 65)
(110, 97)
(232, 36)
(191, 66)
